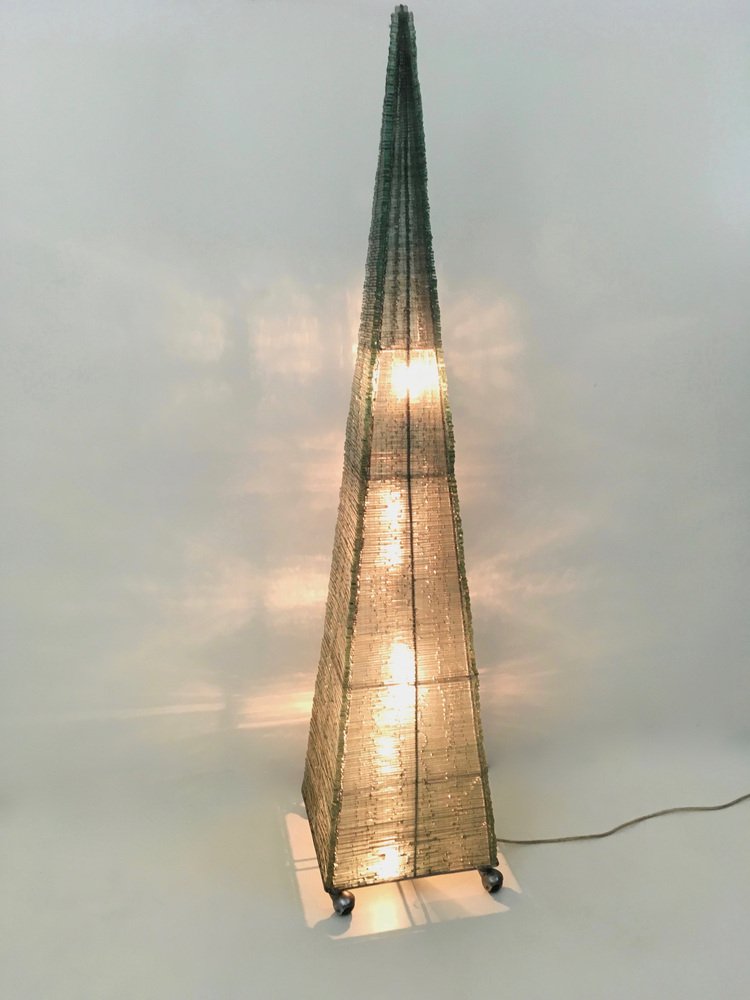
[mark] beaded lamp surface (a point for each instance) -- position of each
(395, 779)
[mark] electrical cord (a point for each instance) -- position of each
(630, 822)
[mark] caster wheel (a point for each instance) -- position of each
(492, 879)
(343, 902)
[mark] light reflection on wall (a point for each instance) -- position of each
(225, 594)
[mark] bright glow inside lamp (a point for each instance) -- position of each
(395, 778)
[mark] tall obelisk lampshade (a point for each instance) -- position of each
(395, 779)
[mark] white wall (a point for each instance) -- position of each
(187, 195)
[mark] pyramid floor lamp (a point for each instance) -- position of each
(395, 779)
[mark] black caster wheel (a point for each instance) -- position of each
(343, 902)
(492, 879)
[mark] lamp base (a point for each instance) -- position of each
(492, 879)
(343, 901)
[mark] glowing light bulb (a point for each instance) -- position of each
(416, 378)
(386, 749)
(397, 699)
(401, 664)
(400, 379)
(391, 550)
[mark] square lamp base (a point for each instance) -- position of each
(343, 900)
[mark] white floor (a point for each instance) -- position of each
(162, 856)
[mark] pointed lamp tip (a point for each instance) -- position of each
(402, 15)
